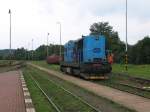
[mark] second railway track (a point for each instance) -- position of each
(134, 85)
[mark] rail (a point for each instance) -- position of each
(69, 92)
(49, 99)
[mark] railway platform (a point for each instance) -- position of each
(12, 97)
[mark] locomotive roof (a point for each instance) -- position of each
(75, 41)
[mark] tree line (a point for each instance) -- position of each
(137, 54)
(38, 54)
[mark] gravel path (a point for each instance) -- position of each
(131, 101)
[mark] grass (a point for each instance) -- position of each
(114, 82)
(100, 102)
(4, 69)
(65, 101)
(142, 71)
(46, 65)
(7, 62)
(5, 65)
(40, 102)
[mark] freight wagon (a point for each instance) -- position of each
(53, 59)
(86, 57)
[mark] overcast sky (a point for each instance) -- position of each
(34, 18)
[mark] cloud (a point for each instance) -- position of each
(139, 9)
(34, 18)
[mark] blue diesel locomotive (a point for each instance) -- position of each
(86, 57)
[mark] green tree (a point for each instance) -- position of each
(113, 42)
(140, 52)
(41, 52)
(19, 54)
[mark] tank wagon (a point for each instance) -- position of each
(86, 57)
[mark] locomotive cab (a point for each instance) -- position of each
(94, 60)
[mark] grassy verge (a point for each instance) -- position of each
(99, 102)
(40, 102)
(5, 65)
(4, 62)
(46, 65)
(115, 79)
(142, 71)
(63, 100)
(4, 69)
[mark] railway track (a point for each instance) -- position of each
(136, 79)
(133, 102)
(141, 80)
(140, 83)
(67, 91)
(133, 89)
(140, 88)
(49, 99)
(134, 85)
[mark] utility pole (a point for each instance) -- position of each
(60, 38)
(25, 54)
(126, 52)
(47, 45)
(29, 51)
(10, 36)
(53, 46)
